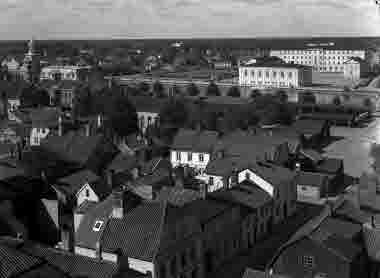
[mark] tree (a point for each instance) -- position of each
(255, 93)
(84, 103)
(174, 113)
(143, 87)
(158, 89)
(234, 92)
(192, 90)
(282, 96)
(336, 101)
(34, 97)
(213, 90)
(308, 97)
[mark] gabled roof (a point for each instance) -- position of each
(192, 140)
(14, 262)
(74, 182)
(178, 197)
(311, 179)
(247, 195)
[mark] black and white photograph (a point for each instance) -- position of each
(189, 139)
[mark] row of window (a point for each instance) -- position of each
(333, 52)
(259, 73)
(270, 84)
(189, 156)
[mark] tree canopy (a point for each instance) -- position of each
(213, 89)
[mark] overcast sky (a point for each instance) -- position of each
(50, 19)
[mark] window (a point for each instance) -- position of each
(259, 73)
(308, 261)
(87, 193)
(189, 156)
(245, 72)
(97, 226)
(267, 74)
(211, 181)
(274, 74)
(253, 73)
(290, 74)
(247, 175)
(282, 74)
(201, 157)
(178, 156)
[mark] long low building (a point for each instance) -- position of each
(274, 73)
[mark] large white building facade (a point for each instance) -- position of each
(259, 74)
(320, 59)
(57, 73)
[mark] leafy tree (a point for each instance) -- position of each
(213, 90)
(255, 93)
(234, 92)
(192, 90)
(174, 113)
(336, 101)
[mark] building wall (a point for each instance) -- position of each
(195, 162)
(85, 252)
(308, 193)
(291, 261)
(275, 77)
(146, 119)
(37, 135)
(86, 193)
(141, 266)
(321, 60)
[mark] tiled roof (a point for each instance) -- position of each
(371, 235)
(250, 273)
(178, 196)
(138, 233)
(78, 179)
(70, 264)
(191, 140)
(247, 195)
(332, 226)
(350, 212)
(345, 248)
(14, 262)
(311, 179)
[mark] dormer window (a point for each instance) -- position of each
(97, 226)
(248, 176)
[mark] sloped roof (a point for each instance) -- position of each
(123, 162)
(148, 104)
(14, 262)
(306, 126)
(77, 180)
(330, 165)
(332, 226)
(178, 197)
(311, 179)
(313, 155)
(192, 140)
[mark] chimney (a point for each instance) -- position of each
(298, 167)
(110, 176)
(373, 223)
(203, 190)
(60, 131)
(87, 127)
(99, 121)
(19, 151)
(118, 204)
(98, 250)
(43, 176)
(234, 177)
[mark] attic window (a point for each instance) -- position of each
(308, 261)
(97, 226)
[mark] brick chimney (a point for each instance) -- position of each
(110, 179)
(87, 130)
(98, 250)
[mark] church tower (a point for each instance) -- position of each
(31, 64)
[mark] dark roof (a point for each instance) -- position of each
(70, 264)
(14, 262)
(332, 226)
(274, 174)
(178, 196)
(350, 212)
(192, 140)
(345, 248)
(85, 207)
(77, 180)
(247, 195)
(138, 233)
(311, 179)
(123, 162)
(308, 126)
(313, 155)
(148, 104)
(46, 117)
(275, 64)
(156, 178)
(250, 273)
(152, 165)
(330, 165)
(7, 172)
(223, 167)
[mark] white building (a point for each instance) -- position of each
(263, 73)
(355, 68)
(320, 59)
(58, 73)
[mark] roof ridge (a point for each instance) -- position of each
(161, 228)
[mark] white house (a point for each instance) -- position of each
(272, 73)
(58, 73)
(193, 148)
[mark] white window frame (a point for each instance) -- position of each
(97, 222)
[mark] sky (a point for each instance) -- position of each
(106, 19)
